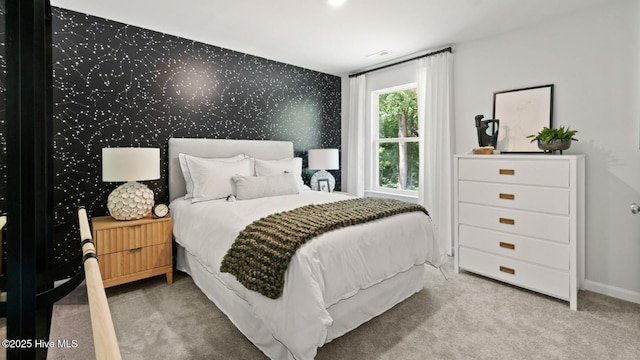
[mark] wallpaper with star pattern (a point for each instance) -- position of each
(117, 85)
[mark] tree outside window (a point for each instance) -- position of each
(397, 142)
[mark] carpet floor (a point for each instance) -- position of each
(464, 317)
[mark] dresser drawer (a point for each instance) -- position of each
(133, 261)
(535, 251)
(525, 197)
(122, 238)
(532, 224)
(526, 172)
(534, 277)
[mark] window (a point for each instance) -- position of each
(396, 154)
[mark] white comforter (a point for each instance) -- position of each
(332, 267)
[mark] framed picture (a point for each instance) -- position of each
(323, 185)
(522, 112)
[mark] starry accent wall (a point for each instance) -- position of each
(117, 85)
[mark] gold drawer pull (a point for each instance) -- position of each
(507, 221)
(507, 196)
(507, 245)
(507, 172)
(507, 270)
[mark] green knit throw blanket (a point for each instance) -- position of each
(262, 251)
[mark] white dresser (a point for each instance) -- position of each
(520, 219)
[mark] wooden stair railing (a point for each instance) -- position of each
(104, 335)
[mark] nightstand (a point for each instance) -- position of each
(133, 250)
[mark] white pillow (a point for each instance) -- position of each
(253, 187)
(277, 167)
(212, 179)
(185, 169)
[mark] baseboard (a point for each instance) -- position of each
(612, 291)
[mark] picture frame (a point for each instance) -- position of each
(323, 185)
(522, 112)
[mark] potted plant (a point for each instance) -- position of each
(554, 139)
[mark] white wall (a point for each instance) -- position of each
(593, 58)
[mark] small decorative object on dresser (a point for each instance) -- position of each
(133, 250)
(520, 219)
(323, 159)
(131, 200)
(485, 150)
(550, 140)
(487, 131)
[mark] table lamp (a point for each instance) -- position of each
(323, 160)
(131, 200)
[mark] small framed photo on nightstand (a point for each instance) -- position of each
(323, 185)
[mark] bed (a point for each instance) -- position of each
(331, 286)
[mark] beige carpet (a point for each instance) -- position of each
(465, 317)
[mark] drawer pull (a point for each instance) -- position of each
(507, 196)
(136, 249)
(507, 270)
(507, 221)
(507, 172)
(507, 245)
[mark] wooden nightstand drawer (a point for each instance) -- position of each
(112, 237)
(133, 250)
(127, 262)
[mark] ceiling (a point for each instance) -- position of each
(334, 40)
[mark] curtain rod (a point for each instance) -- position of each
(403, 61)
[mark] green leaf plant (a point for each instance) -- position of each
(547, 134)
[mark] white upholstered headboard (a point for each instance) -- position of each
(215, 148)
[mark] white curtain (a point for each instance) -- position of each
(435, 117)
(356, 146)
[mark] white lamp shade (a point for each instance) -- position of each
(130, 164)
(324, 159)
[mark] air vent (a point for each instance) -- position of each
(379, 53)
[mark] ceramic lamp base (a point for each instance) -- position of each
(130, 201)
(322, 175)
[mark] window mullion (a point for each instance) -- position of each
(395, 140)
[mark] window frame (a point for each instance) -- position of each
(376, 141)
